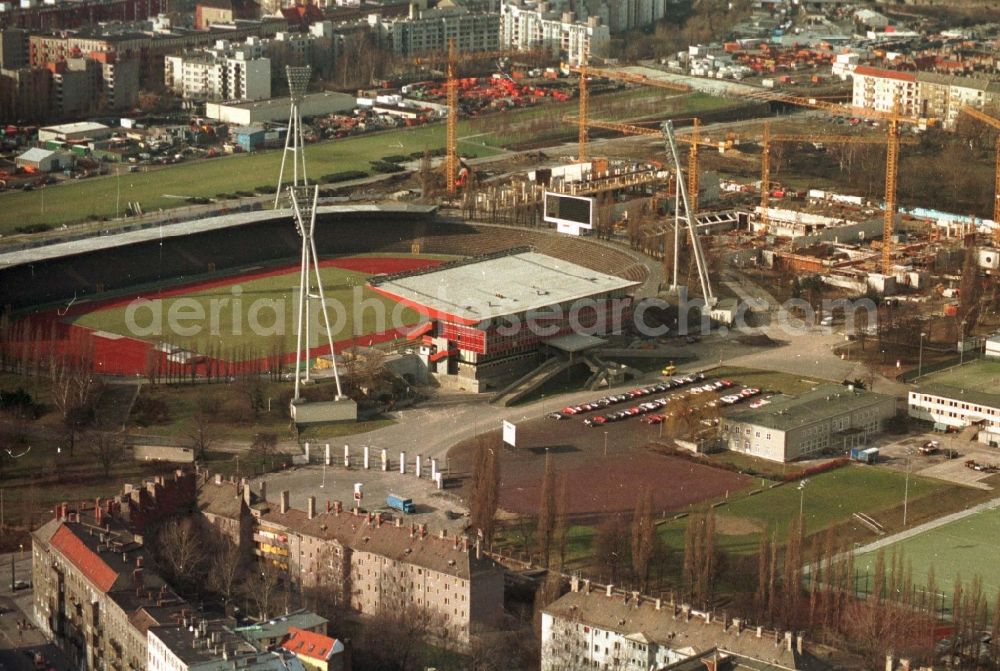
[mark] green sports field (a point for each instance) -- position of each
(980, 375)
(963, 548)
(827, 499)
(248, 318)
(167, 187)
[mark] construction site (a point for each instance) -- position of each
(773, 200)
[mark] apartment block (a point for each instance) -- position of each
(922, 94)
(93, 595)
(375, 565)
(606, 628)
(537, 26)
(147, 47)
(225, 72)
(879, 90)
(429, 30)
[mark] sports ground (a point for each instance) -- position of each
(964, 548)
(980, 375)
(218, 319)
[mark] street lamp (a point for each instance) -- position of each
(802, 496)
(920, 355)
(605, 443)
(961, 345)
(906, 489)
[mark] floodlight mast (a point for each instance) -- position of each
(699, 254)
(298, 83)
(306, 224)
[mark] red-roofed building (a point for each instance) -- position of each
(93, 595)
(92, 567)
(315, 651)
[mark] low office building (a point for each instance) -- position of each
(276, 109)
(828, 418)
(611, 629)
(953, 408)
(199, 645)
(73, 132)
(37, 159)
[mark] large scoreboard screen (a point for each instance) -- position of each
(572, 211)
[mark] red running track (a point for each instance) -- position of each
(52, 331)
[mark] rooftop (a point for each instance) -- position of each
(202, 642)
(35, 154)
(77, 127)
(362, 532)
(153, 231)
(961, 394)
(786, 413)
(668, 627)
(279, 626)
(496, 287)
(312, 645)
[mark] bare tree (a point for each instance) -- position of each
(643, 537)
(546, 511)
(227, 566)
(106, 448)
(201, 431)
(181, 550)
(263, 448)
(611, 549)
(485, 496)
(263, 588)
(398, 637)
(561, 532)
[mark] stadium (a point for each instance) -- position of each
(106, 295)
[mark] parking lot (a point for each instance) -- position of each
(896, 455)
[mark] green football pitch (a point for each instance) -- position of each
(250, 317)
(963, 548)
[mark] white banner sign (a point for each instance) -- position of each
(510, 433)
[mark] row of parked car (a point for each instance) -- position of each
(656, 404)
(614, 399)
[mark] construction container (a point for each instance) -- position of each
(864, 455)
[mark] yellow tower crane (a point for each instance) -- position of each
(995, 123)
(584, 70)
(450, 59)
(892, 118)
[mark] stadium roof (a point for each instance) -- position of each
(92, 241)
(507, 285)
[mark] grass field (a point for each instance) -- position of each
(829, 499)
(963, 548)
(167, 187)
(245, 314)
(980, 375)
(768, 380)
